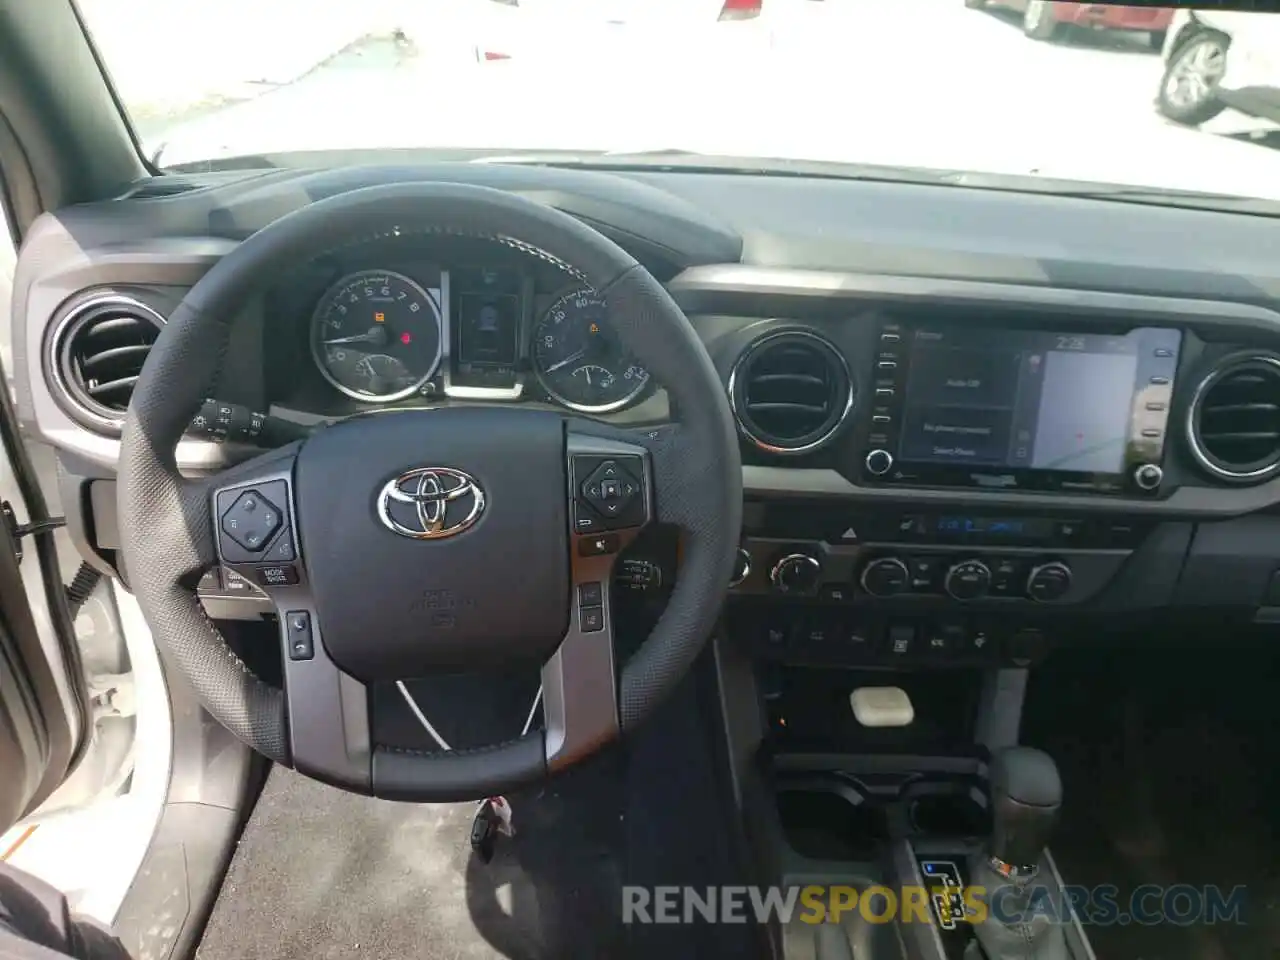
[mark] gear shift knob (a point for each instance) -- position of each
(1026, 795)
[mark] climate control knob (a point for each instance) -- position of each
(885, 577)
(796, 573)
(1049, 582)
(968, 580)
(741, 568)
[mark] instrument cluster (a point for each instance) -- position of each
(378, 335)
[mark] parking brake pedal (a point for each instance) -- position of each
(882, 707)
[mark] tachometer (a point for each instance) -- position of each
(578, 358)
(376, 336)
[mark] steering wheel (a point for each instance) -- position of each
(405, 542)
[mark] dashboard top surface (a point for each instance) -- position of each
(744, 255)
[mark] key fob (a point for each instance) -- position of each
(502, 812)
(484, 832)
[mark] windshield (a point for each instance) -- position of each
(1142, 96)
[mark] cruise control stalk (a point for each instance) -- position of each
(222, 422)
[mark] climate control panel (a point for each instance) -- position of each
(970, 578)
(891, 575)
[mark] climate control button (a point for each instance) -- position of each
(1049, 582)
(968, 580)
(796, 573)
(885, 577)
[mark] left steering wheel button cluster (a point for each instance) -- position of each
(253, 523)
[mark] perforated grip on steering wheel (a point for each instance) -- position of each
(167, 537)
(699, 481)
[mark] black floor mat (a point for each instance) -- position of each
(1170, 777)
(320, 873)
(323, 873)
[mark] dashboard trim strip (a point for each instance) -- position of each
(757, 281)
(1187, 502)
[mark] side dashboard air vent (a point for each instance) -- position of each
(97, 352)
(1234, 422)
(790, 391)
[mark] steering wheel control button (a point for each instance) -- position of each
(968, 580)
(297, 625)
(282, 550)
(611, 490)
(251, 521)
(277, 575)
(1049, 582)
(585, 519)
(610, 493)
(592, 619)
(591, 594)
(598, 546)
(234, 582)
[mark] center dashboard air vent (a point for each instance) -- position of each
(96, 354)
(790, 391)
(1233, 425)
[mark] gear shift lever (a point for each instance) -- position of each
(1026, 795)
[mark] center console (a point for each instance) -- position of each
(933, 581)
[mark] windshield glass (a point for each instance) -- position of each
(1141, 96)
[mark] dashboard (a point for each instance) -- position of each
(971, 421)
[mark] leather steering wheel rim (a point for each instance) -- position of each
(170, 536)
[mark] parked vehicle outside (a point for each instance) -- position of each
(1215, 60)
(1049, 19)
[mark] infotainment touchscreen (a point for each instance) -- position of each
(1027, 401)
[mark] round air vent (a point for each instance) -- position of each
(97, 352)
(1233, 425)
(790, 391)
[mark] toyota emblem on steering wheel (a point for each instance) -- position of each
(430, 503)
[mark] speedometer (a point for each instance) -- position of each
(578, 358)
(376, 336)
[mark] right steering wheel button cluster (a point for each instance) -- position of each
(610, 498)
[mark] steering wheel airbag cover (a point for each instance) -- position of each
(395, 607)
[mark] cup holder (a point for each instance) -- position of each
(828, 819)
(947, 810)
